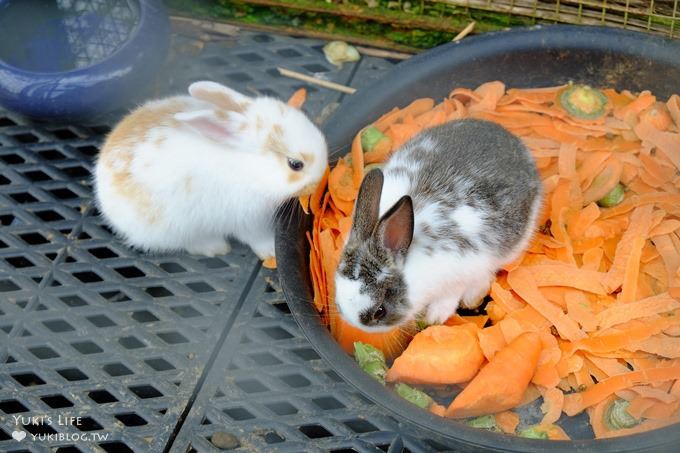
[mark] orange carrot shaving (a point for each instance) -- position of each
(298, 98)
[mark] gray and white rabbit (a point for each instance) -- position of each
(187, 172)
(454, 204)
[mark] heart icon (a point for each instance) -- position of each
(19, 435)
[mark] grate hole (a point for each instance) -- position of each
(213, 61)
(69, 449)
(282, 307)
(88, 277)
(282, 408)
(28, 379)
(101, 321)
(7, 219)
(116, 369)
(145, 391)
(51, 154)
(360, 426)
(328, 403)
(43, 352)
(186, 311)
(33, 238)
(58, 326)
(76, 172)
(251, 386)
(131, 343)
(239, 77)
(172, 268)
(39, 428)
(200, 287)
(288, 53)
(4, 181)
(12, 159)
(265, 359)
(158, 291)
(314, 68)
(25, 138)
(116, 447)
(238, 414)
(172, 337)
(103, 253)
(72, 374)
(49, 216)
(214, 263)
(334, 377)
(73, 301)
(101, 130)
(115, 296)
(101, 397)
(315, 431)
(296, 380)
(5, 122)
(344, 450)
(87, 347)
(12, 407)
(56, 401)
(23, 197)
(129, 272)
(20, 262)
(144, 316)
(277, 333)
(272, 437)
(250, 57)
(306, 354)
(37, 176)
(64, 134)
(88, 151)
(131, 419)
(63, 194)
(262, 38)
(159, 364)
(88, 424)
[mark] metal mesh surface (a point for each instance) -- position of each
(106, 349)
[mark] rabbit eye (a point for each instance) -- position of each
(295, 165)
(379, 313)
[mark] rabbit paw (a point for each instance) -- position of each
(438, 312)
(474, 296)
(209, 246)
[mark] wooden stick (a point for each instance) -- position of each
(380, 53)
(316, 81)
(466, 31)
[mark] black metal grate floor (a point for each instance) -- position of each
(160, 352)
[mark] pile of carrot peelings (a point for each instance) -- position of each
(597, 293)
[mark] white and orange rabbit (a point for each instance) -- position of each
(188, 172)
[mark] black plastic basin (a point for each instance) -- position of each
(535, 57)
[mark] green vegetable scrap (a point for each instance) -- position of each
(533, 432)
(415, 396)
(484, 422)
(370, 137)
(612, 198)
(371, 360)
(339, 52)
(583, 102)
(617, 417)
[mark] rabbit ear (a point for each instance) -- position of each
(219, 95)
(216, 126)
(395, 229)
(368, 204)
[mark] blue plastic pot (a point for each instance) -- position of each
(59, 62)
